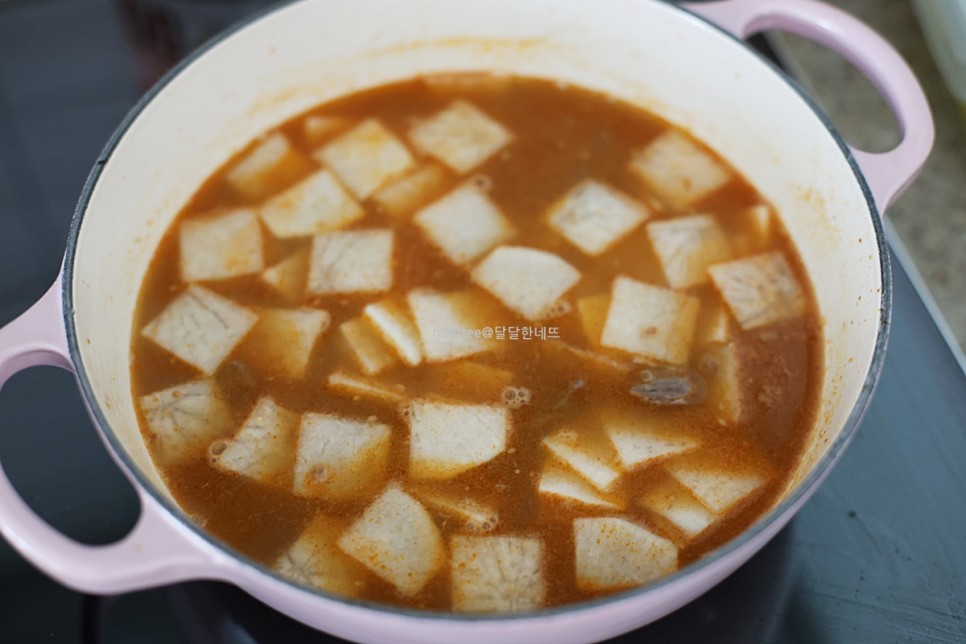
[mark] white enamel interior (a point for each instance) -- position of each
(641, 51)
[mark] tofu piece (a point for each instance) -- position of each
(448, 324)
(449, 439)
(526, 280)
(269, 166)
(219, 247)
(676, 505)
(678, 170)
(613, 553)
(359, 388)
(355, 261)
(397, 540)
(317, 204)
(264, 446)
(593, 460)
(469, 380)
(650, 321)
(725, 391)
(464, 224)
(639, 443)
(402, 197)
(201, 327)
(501, 574)
(566, 485)
(594, 216)
(282, 340)
(184, 419)
(471, 514)
(367, 347)
(719, 490)
(315, 560)
(686, 247)
(593, 314)
(366, 157)
(340, 458)
(317, 128)
(392, 321)
(288, 277)
(759, 290)
(461, 136)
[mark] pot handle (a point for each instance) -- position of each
(888, 174)
(155, 552)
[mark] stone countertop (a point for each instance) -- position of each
(930, 217)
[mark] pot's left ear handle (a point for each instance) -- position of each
(887, 173)
(154, 552)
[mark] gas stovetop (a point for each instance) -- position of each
(878, 555)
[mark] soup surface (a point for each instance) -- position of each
(476, 343)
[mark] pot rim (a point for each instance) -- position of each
(800, 493)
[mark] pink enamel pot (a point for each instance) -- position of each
(687, 64)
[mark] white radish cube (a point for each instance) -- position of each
(403, 196)
(678, 170)
(340, 458)
(282, 340)
(759, 290)
(263, 447)
(214, 248)
(392, 321)
(356, 261)
(270, 164)
(448, 324)
(447, 439)
(366, 157)
(593, 315)
(604, 366)
(465, 224)
(593, 216)
(526, 280)
(461, 136)
(717, 488)
(649, 321)
(185, 418)
(315, 560)
(397, 540)
(288, 276)
(471, 514)
(369, 350)
(757, 220)
(686, 246)
(364, 388)
(201, 327)
(676, 505)
(613, 553)
(725, 393)
(501, 574)
(565, 485)
(716, 327)
(593, 460)
(639, 443)
(315, 205)
(464, 380)
(317, 128)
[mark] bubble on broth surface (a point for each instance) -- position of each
(516, 397)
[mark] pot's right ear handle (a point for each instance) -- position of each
(887, 173)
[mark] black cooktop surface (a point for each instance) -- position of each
(878, 555)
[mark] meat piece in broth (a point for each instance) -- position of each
(614, 553)
(677, 170)
(263, 448)
(464, 224)
(461, 136)
(594, 216)
(565, 485)
(282, 340)
(287, 277)
(269, 166)
(397, 540)
(354, 261)
(340, 458)
(686, 246)
(366, 157)
(316, 560)
(448, 439)
(499, 574)
(317, 204)
(759, 290)
(201, 327)
(220, 247)
(184, 419)
(402, 197)
(528, 281)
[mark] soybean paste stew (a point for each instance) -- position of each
(476, 343)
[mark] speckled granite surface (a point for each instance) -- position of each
(931, 216)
